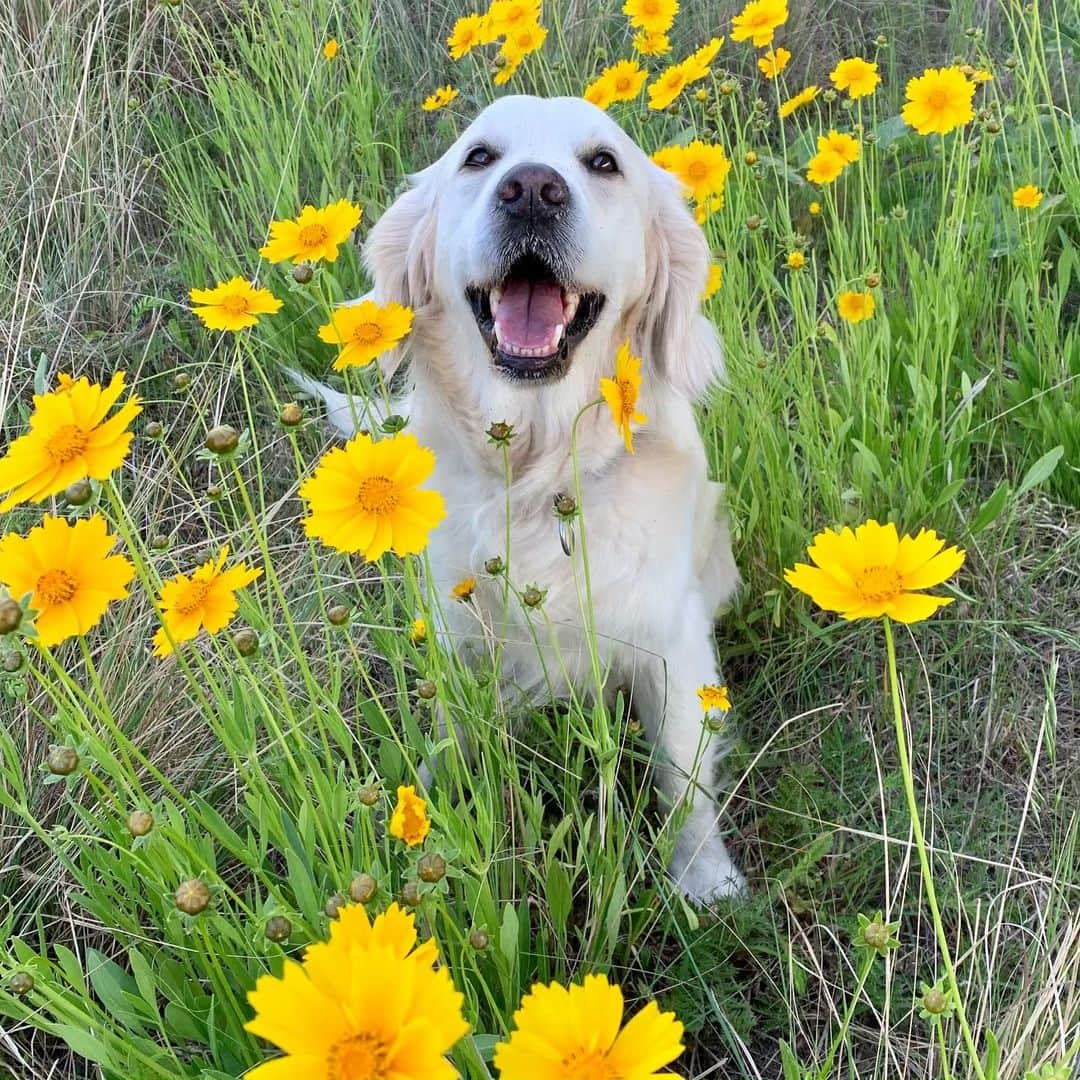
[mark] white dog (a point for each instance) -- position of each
(537, 244)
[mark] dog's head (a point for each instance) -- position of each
(539, 241)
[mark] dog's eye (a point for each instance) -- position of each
(603, 161)
(479, 157)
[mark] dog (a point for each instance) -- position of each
(536, 245)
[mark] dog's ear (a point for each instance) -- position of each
(399, 254)
(682, 343)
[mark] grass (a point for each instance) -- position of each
(145, 154)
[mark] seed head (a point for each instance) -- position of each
(140, 822)
(62, 760)
(494, 566)
(500, 433)
(532, 597)
(192, 897)
(565, 505)
(362, 888)
(278, 928)
(222, 439)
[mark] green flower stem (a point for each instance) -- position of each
(939, 1031)
(849, 1012)
(920, 846)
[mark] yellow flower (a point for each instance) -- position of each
(700, 59)
(713, 281)
(702, 167)
(620, 82)
(69, 440)
(796, 260)
(508, 69)
(366, 497)
(773, 62)
(206, 600)
(507, 17)
(855, 306)
(873, 572)
(469, 31)
(439, 99)
(314, 235)
(847, 146)
(410, 821)
(365, 330)
(521, 41)
(68, 574)
(335, 1020)
(233, 305)
(621, 393)
(463, 590)
(803, 97)
(651, 43)
(418, 632)
(815, 209)
(669, 84)
(938, 101)
(714, 697)
(758, 21)
(980, 76)
(330, 49)
(824, 167)
(857, 76)
(651, 16)
(1027, 197)
(573, 1033)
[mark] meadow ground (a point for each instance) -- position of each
(144, 148)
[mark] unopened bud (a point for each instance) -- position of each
(222, 439)
(62, 760)
(278, 928)
(431, 867)
(78, 494)
(362, 888)
(140, 822)
(193, 897)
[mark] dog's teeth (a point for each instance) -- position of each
(556, 337)
(570, 306)
(494, 299)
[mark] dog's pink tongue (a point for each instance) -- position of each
(528, 314)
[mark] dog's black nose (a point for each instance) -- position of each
(531, 191)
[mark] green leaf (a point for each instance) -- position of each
(993, 1056)
(1041, 470)
(988, 513)
(85, 1045)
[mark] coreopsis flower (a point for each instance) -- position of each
(700, 59)
(855, 307)
(463, 590)
(758, 21)
(232, 305)
(365, 330)
(69, 439)
(439, 99)
(418, 631)
(847, 146)
(1027, 197)
(67, 573)
(714, 697)
(814, 209)
(939, 101)
(334, 1019)
(330, 49)
(410, 821)
(701, 167)
(803, 97)
(795, 260)
(521, 41)
(773, 62)
(651, 43)
(620, 82)
(508, 69)
(979, 76)
(506, 17)
(366, 497)
(621, 393)
(713, 281)
(577, 1033)
(858, 77)
(874, 571)
(204, 601)
(651, 16)
(315, 234)
(824, 167)
(469, 32)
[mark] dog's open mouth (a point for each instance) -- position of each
(531, 321)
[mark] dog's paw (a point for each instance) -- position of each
(706, 873)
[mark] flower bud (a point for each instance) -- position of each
(21, 983)
(701, 95)
(368, 795)
(181, 380)
(431, 867)
(829, 96)
(192, 897)
(500, 433)
(750, 157)
(214, 492)
(993, 127)
(362, 888)
(11, 615)
(494, 566)
(426, 689)
(302, 273)
(333, 906)
(393, 424)
(246, 641)
(338, 615)
(753, 223)
(935, 1001)
(873, 281)
(159, 541)
(62, 760)
(565, 505)
(78, 494)
(410, 894)
(153, 430)
(140, 822)
(291, 414)
(727, 88)
(479, 939)
(278, 928)
(876, 935)
(532, 597)
(881, 41)
(12, 662)
(222, 439)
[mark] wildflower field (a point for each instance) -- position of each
(220, 666)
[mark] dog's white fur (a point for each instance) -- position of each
(659, 558)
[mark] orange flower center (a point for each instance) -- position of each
(589, 1065)
(235, 304)
(878, 583)
(378, 495)
(360, 1057)
(311, 236)
(66, 444)
(367, 333)
(55, 587)
(651, 7)
(627, 396)
(697, 170)
(622, 83)
(673, 79)
(194, 597)
(938, 99)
